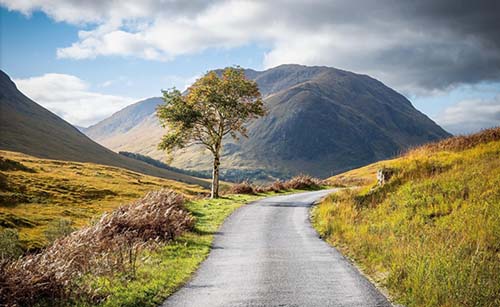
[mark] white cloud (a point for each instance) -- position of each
(417, 47)
(69, 97)
(471, 116)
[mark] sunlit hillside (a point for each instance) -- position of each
(36, 193)
(431, 233)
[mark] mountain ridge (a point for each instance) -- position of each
(27, 127)
(321, 121)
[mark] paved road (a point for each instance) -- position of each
(267, 254)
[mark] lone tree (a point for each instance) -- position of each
(214, 106)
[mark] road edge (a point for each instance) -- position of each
(351, 261)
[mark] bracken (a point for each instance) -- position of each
(109, 246)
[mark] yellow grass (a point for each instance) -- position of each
(431, 235)
(30, 201)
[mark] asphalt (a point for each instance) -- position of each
(268, 254)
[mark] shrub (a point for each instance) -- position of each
(303, 182)
(261, 189)
(244, 187)
(276, 186)
(110, 246)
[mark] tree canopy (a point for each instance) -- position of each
(216, 105)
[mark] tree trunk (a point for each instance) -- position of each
(215, 177)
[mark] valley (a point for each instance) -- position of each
(339, 120)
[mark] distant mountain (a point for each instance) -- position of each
(29, 128)
(134, 128)
(320, 121)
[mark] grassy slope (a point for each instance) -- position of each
(27, 127)
(30, 201)
(432, 234)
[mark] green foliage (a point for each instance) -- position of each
(214, 106)
(10, 247)
(58, 229)
(431, 235)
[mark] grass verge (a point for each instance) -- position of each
(161, 272)
(431, 234)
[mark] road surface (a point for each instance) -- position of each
(267, 254)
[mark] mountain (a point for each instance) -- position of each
(29, 128)
(134, 128)
(320, 121)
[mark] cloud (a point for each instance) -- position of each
(471, 116)
(70, 98)
(417, 47)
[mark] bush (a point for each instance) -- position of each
(244, 187)
(276, 186)
(303, 182)
(110, 246)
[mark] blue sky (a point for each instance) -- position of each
(118, 60)
(29, 45)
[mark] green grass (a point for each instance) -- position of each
(164, 270)
(38, 194)
(35, 193)
(431, 235)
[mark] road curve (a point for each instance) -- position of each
(267, 254)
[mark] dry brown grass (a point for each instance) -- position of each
(110, 246)
(463, 142)
(244, 187)
(301, 182)
(276, 186)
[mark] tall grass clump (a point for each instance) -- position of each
(244, 187)
(431, 234)
(303, 182)
(300, 182)
(109, 247)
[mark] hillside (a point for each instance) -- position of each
(27, 127)
(36, 193)
(321, 121)
(430, 234)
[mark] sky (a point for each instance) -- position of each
(85, 60)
